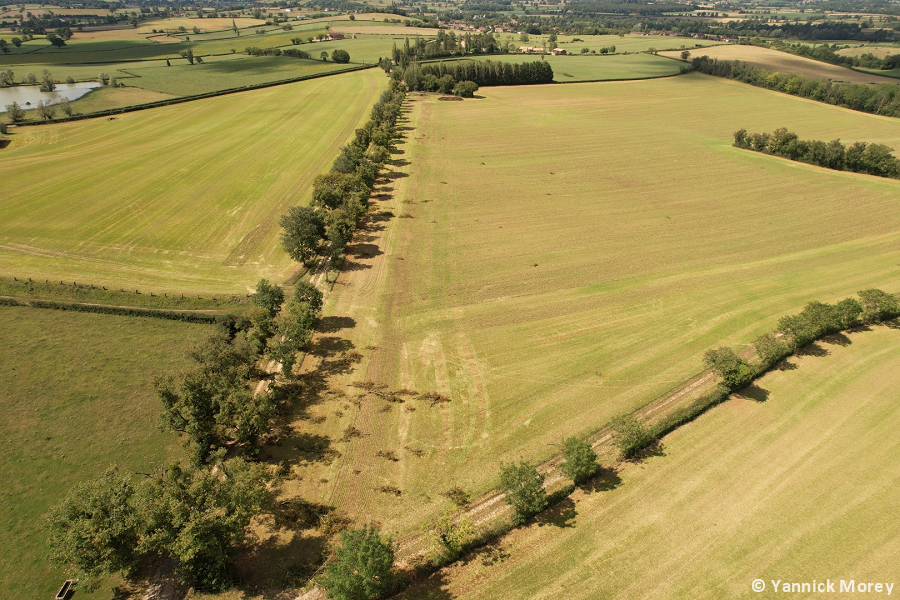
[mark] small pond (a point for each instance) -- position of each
(28, 95)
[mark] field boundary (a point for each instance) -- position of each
(209, 317)
(182, 99)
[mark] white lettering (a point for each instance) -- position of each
(878, 587)
(830, 586)
(847, 586)
(890, 588)
(775, 584)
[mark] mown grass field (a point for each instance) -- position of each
(796, 488)
(182, 198)
(598, 68)
(575, 263)
(185, 80)
(77, 398)
(626, 43)
(785, 63)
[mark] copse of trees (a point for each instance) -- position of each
(340, 197)
(882, 99)
(443, 76)
(859, 157)
(198, 516)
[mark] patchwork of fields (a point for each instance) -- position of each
(796, 488)
(599, 68)
(77, 397)
(181, 198)
(569, 256)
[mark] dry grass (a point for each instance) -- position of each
(572, 252)
(799, 487)
(784, 63)
(204, 24)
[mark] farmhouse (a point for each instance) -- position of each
(558, 52)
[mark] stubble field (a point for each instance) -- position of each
(797, 488)
(569, 255)
(181, 198)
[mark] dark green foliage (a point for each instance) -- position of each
(189, 317)
(465, 89)
(268, 296)
(444, 76)
(524, 488)
(302, 229)
(881, 99)
(363, 566)
(733, 370)
(306, 292)
(333, 189)
(878, 306)
(686, 414)
(770, 350)
(94, 528)
(630, 436)
(211, 401)
(580, 460)
(860, 157)
(295, 53)
(340, 56)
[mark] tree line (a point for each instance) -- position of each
(340, 197)
(828, 53)
(882, 99)
(464, 77)
(859, 157)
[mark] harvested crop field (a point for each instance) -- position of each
(800, 487)
(559, 261)
(785, 63)
(180, 198)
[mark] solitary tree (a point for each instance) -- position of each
(15, 112)
(685, 54)
(66, 108)
(16, 42)
(465, 89)
(49, 84)
(4, 46)
(362, 568)
(189, 55)
(45, 111)
(581, 460)
(323, 55)
(340, 56)
(524, 488)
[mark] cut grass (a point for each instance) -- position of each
(783, 62)
(186, 80)
(570, 255)
(77, 398)
(799, 487)
(183, 198)
(599, 68)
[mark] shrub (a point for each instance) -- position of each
(878, 306)
(524, 488)
(465, 89)
(581, 460)
(362, 568)
(340, 56)
(733, 370)
(630, 436)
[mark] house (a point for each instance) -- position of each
(557, 52)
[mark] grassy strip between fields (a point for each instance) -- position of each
(125, 311)
(794, 333)
(159, 103)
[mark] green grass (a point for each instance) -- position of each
(571, 254)
(185, 80)
(77, 398)
(599, 68)
(799, 487)
(184, 198)
(628, 43)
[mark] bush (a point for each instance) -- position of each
(340, 56)
(630, 436)
(581, 460)
(363, 566)
(524, 488)
(465, 89)
(878, 306)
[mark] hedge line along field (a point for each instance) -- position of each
(560, 261)
(796, 488)
(783, 62)
(598, 68)
(181, 198)
(77, 398)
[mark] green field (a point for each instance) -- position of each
(599, 68)
(181, 198)
(626, 43)
(77, 398)
(186, 80)
(799, 487)
(570, 255)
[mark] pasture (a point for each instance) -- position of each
(598, 68)
(181, 198)
(566, 257)
(798, 487)
(623, 43)
(78, 397)
(783, 62)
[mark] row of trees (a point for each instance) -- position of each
(882, 99)
(859, 157)
(340, 196)
(829, 53)
(464, 77)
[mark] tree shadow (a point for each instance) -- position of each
(754, 392)
(329, 346)
(392, 175)
(332, 324)
(433, 587)
(490, 554)
(786, 365)
(296, 514)
(364, 250)
(274, 564)
(653, 450)
(604, 481)
(814, 349)
(837, 339)
(562, 514)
